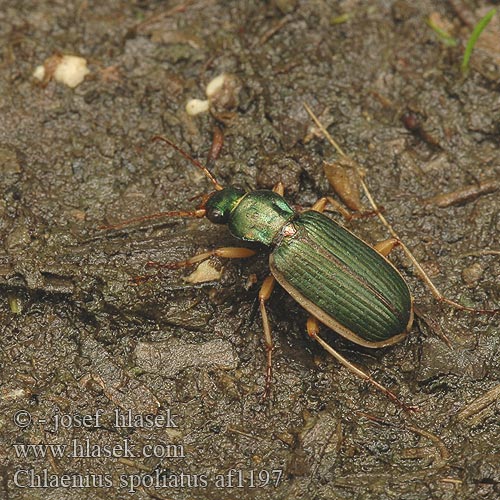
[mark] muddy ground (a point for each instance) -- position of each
(80, 340)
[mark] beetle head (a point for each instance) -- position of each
(221, 203)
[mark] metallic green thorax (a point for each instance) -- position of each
(260, 216)
(256, 216)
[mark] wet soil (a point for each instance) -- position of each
(81, 339)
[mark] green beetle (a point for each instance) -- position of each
(339, 279)
(330, 272)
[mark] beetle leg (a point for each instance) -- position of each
(313, 331)
(416, 265)
(387, 246)
(279, 188)
(224, 252)
(321, 204)
(265, 292)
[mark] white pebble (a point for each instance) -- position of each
(71, 71)
(39, 72)
(215, 85)
(204, 272)
(197, 106)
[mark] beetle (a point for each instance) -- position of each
(335, 276)
(339, 279)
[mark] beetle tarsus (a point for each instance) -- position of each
(460, 307)
(139, 280)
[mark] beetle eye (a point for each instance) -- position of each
(216, 216)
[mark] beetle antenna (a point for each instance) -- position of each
(198, 213)
(196, 163)
(416, 265)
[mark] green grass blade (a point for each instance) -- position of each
(476, 32)
(443, 35)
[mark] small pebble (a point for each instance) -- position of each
(69, 70)
(204, 272)
(472, 274)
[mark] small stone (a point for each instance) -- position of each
(472, 274)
